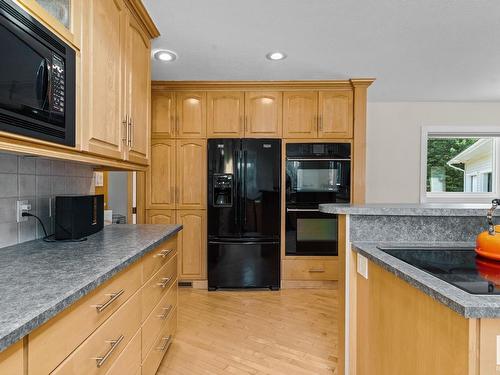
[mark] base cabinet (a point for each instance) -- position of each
(192, 244)
(132, 333)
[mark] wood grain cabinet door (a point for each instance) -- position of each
(192, 244)
(191, 174)
(163, 114)
(263, 114)
(300, 119)
(160, 177)
(103, 80)
(160, 216)
(138, 92)
(191, 120)
(335, 114)
(226, 110)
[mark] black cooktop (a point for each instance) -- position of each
(460, 267)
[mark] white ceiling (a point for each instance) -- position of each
(419, 50)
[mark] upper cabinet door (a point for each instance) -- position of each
(163, 114)
(160, 176)
(335, 114)
(103, 83)
(191, 174)
(138, 92)
(191, 115)
(263, 114)
(300, 119)
(225, 114)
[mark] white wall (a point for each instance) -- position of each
(393, 142)
(118, 192)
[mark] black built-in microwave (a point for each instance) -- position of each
(37, 79)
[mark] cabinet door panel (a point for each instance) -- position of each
(192, 245)
(300, 119)
(191, 115)
(191, 174)
(138, 92)
(163, 114)
(103, 78)
(225, 114)
(160, 177)
(336, 114)
(263, 114)
(160, 216)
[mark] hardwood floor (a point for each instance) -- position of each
(288, 332)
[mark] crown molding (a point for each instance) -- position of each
(140, 11)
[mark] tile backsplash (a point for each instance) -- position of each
(38, 180)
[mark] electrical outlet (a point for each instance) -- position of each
(22, 206)
(362, 266)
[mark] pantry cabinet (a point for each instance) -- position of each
(160, 217)
(192, 244)
(226, 110)
(263, 114)
(191, 174)
(300, 119)
(160, 177)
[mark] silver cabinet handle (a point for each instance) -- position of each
(317, 270)
(114, 344)
(166, 312)
(302, 210)
(320, 119)
(164, 282)
(112, 297)
(165, 346)
(129, 132)
(125, 130)
(164, 253)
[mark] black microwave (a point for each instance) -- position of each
(37, 79)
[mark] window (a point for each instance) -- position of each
(460, 166)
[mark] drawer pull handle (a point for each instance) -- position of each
(114, 343)
(165, 281)
(316, 270)
(112, 297)
(167, 311)
(164, 253)
(165, 346)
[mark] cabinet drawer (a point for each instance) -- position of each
(11, 359)
(129, 361)
(158, 257)
(158, 285)
(160, 346)
(308, 269)
(105, 343)
(55, 340)
(160, 314)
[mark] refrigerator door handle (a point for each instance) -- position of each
(244, 198)
(243, 243)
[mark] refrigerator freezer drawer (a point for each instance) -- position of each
(243, 265)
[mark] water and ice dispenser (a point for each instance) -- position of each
(223, 190)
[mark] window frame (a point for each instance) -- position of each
(456, 132)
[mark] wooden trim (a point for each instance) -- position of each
(141, 197)
(342, 244)
(309, 284)
(358, 194)
(104, 188)
(259, 85)
(140, 12)
(69, 154)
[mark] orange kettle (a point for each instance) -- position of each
(488, 242)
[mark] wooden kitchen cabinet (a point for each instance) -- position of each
(160, 216)
(191, 183)
(11, 359)
(335, 114)
(300, 119)
(191, 119)
(226, 111)
(263, 114)
(163, 114)
(160, 177)
(138, 92)
(103, 64)
(192, 245)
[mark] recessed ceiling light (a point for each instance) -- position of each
(276, 56)
(165, 55)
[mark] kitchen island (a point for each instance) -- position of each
(400, 319)
(60, 296)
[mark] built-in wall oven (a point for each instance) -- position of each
(315, 173)
(37, 79)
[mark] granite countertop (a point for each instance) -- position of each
(466, 304)
(39, 279)
(429, 209)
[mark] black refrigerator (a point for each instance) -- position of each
(244, 213)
